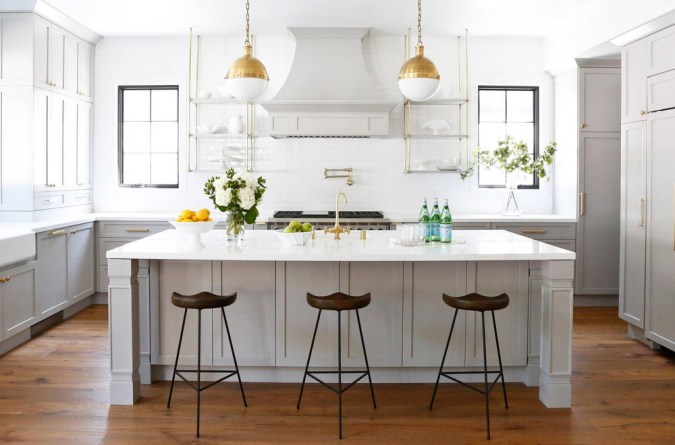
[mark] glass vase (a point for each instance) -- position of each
(511, 209)
(235, 226)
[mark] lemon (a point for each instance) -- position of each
(179, 219)
(187, 213)
(203, 215)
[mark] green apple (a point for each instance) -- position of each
(306, 227)
(295, 224)
(290, 229)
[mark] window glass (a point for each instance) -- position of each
(148, 136)
(502, 112)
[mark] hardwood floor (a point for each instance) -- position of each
(54, 389)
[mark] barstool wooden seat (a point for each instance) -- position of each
(479, 303)
(338, 302)
(201, 301)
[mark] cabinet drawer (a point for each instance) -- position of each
(661, 51)
(134, 230)
(471, 226)
(567, 244)
(48, 200)
(661, 91)
(77, 198)
(540, 231)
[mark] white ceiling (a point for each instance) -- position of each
(440, 17)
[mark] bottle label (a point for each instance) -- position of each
(446, 233)
(424, 230)
(436, 230)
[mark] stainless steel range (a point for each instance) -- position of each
(355, 220)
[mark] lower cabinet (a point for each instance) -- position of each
(65, 268)
(17, 299)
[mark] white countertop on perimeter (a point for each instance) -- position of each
(468, 245)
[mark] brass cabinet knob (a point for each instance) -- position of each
(642, 112)
(582, 126)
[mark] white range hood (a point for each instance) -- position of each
(328, 92)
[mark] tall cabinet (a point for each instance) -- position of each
(647, 289)
(45, 114)
(597, 267)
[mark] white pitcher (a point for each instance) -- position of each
(235, 124)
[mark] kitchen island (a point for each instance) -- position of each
(405, 326)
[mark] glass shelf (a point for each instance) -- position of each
(217, 101)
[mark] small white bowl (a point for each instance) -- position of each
(294, 239)
(203, 94)
(194, 230)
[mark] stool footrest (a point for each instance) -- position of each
(448, 375)
(335, 390)
(230, 373)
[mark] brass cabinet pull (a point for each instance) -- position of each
(5, 279)
(642, 112)
(534, 231)
(582, 126)
(137, 229)
(57, 232)
(641, 220)
(582, 201)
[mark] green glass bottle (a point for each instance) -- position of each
(424, 221)
(436, 222)
(446, 224)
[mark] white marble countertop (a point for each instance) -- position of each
(468, 245)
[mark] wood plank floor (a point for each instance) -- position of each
(54, 389)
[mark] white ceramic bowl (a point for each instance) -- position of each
(204, 94)
(294, 239)
(194, 231)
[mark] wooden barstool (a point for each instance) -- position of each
(338, 302)
(478, 303)
(200, 301)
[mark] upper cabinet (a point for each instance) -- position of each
(62, 61)
(661, 51)
(16, 47)
(599, 106)
(633, 74)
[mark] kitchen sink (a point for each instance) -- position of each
(16, 245)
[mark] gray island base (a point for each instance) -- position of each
(405, 326)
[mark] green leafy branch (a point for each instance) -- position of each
(511, 156)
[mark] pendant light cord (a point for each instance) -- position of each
(419, 22)
(248, 36)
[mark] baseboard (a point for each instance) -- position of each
(596, 300)
(99, 298)
(47, 323)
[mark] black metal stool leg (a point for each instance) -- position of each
(234, 357)
(499, 356)
(365, 356)
(440, 370)
(485, 374)
(309, 357)
(199, 365)
(175, 366)
(339, 340)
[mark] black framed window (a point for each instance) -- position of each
(502, 111)
(148, 136)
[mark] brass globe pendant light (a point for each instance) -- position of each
(247, 77)
(419, 79)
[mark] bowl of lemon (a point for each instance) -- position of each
(193, 225)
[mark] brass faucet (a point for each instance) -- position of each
(337, 230)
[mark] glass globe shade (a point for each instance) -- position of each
(419, 89)
(247, 88)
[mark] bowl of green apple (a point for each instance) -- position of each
(295, 233)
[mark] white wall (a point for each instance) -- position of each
(294, 167)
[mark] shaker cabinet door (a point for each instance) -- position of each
(600, 99)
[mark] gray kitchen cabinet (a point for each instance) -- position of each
(633, 222)
(597, 264)
(80, 260)
(599, 99)
(634, 82)
(52, 272)
(661, 51)
(17, 299)
(660, 279)
(560, 234)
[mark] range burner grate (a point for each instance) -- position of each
(327, 214)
